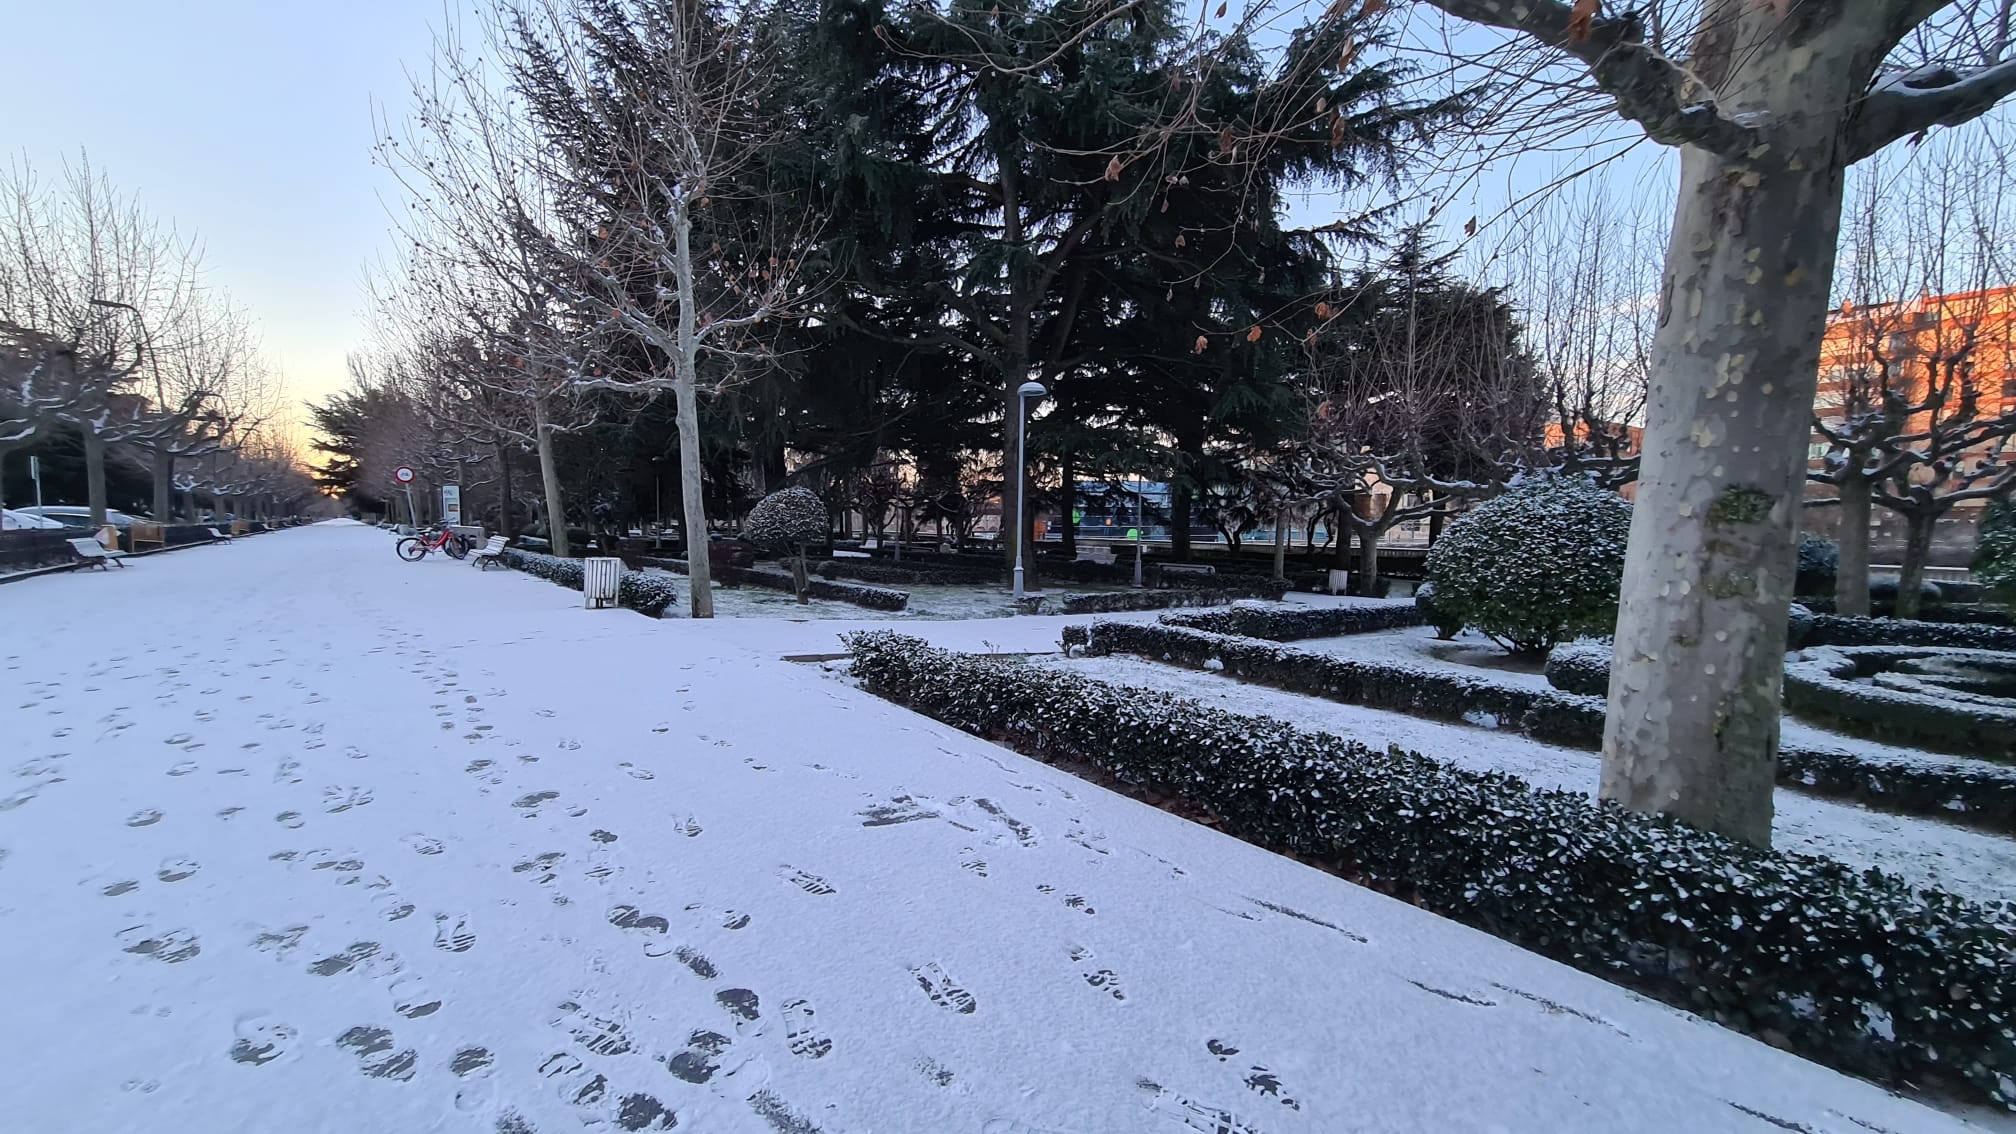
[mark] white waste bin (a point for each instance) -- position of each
(1340, 582)
(599, 578)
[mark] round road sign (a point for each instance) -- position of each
(403, 475)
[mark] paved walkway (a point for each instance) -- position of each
(298, 837)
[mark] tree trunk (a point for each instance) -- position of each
(164, 486)
(1692, 729)
(1368, 562)
(684, 360)
(1179, 520)
(505, 525)
(1851, 578)
(549, 476)
(1340, 531)
(1918, 531)
(94, 475)
(799, 582)
(1282, 519)
(1436, 520)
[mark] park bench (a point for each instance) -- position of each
(1103, 556)
(484, 556)
(96, 554)
(240, 527)
(217, 536)
(143, 531)
(1166, 571)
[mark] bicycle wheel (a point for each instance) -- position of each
(412, 550)
(456, 547)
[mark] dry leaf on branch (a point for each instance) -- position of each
(1225, 139)
(1470, 227)
(1180, 242)
(1322, 310)
(1253, 336)
(1202, 342)
(1580, 20)
(1221, 11)
(1113, 169)
(1371, 8)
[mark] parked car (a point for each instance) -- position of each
(78, 515)
(11, 520)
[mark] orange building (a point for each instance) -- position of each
(1936, 360)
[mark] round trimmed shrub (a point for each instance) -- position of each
(1581, 666)
(1819, 563)
(1538, 565)
(1446, 626)
(782, 523)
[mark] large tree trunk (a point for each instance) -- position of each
(1282, 519)
(164, 486)
(506, 527)
(1068, 505)
(549, 476)
(1368, 563)
(1179, 520)
(692, 497)
(1918, 530)
(94, 475)
(1692, 729)
(1851, 579)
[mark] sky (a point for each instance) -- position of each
(246, 123)
(250, 124)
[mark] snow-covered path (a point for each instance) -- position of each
(295, 836)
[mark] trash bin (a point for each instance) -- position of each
(599, 577)
(1340, 582)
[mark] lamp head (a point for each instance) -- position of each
(1032, 389)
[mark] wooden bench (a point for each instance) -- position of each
(144, 531)
(484, 556)
(240, 527)
(96, 554)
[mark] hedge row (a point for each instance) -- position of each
(646, 594)
(872, 571)
(1851, 968)
(1581, 666)
(1111, 602)
(1980, 795)
(1822, 683)
(1290, 623)
(1845, 630)
(874, 598)
(1932, 612)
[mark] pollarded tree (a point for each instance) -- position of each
(784, 523)
(1769, 104)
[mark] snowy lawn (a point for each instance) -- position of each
(1926, 852)
(299, 837)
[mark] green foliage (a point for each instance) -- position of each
(1537, 565)
(783, 522)
(1804, 949)
(1819, 563)
(1995, 558)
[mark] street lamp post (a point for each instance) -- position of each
(1026, 391)
(1140, 532)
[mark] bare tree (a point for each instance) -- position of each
(1768, 105)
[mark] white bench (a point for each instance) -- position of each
(96, 554)
(484, 556)
(218, 537)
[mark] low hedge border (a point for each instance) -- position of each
(1854, 969)
(649, 595)
(1972, 792)
(869, 571)
(1821, 683)
(874, 598)
(1931, 612)
(1113, 602)
(1288, 624)
(1846, 630)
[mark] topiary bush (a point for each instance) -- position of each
(1538, 565)
(1581, 666)
(782, 523)
(1447, 626)
(1995, 558)
(1884, 591)
(1819, 563)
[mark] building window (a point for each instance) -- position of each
(1817, 450)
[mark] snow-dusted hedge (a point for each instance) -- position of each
(1969, 791)
(1844, 630)
(1446, 626)
(1289, 623)
(1581, 666)
(874, 598)
(1537, 565)
(786, 520)
(1110, 602)
(1822, 683)
(646, 594)
(903, 574)
(1847, 967)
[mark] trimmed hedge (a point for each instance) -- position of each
(871, 571)
(874, 598)
(1110, 602)
(1581, 666)
(1289, 623)
(1851, 968)
(1822, 683)
(648, 595)
(1978, 794)
(1932, 612)
(1845, 630)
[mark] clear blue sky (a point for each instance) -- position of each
(246, 122)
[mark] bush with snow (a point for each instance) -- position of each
(1446, 626)
(782, 523)
(1802, 949)
(1819, 563)
(1581, 666)
(1537, 565)
(1995, 558)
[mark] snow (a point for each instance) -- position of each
(296, 836)
(1928, 853)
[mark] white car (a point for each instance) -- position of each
(77, 515)
(13, 521)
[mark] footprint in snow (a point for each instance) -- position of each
(261, 1039)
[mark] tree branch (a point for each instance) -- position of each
(1907, 102)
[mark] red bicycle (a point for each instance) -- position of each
(415, 548)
